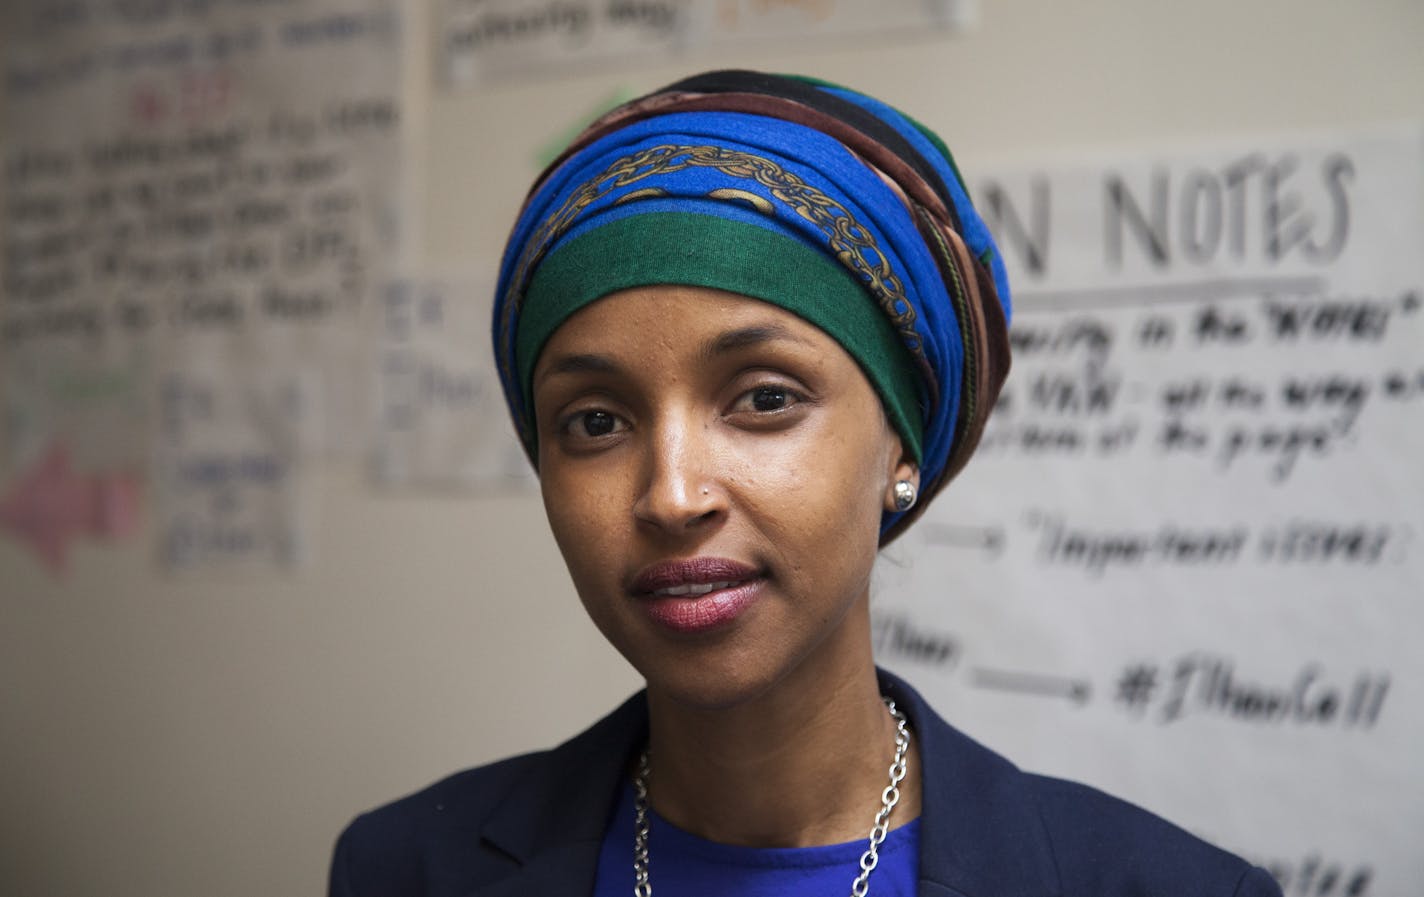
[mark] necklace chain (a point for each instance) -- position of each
(642, 886)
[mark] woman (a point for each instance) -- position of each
(747, 326)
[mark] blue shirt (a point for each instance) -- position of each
(683, 865)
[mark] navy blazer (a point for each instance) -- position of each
(532, 825)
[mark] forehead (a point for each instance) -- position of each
(642, 318)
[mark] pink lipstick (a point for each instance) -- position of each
(696, 594)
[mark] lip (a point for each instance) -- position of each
(737, 587)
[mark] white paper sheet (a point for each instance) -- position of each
(1186, 563)
(232, 494)
(491, 40)
(441, 417)
(213, 180)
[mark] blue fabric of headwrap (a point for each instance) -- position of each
(782, 176)
(972, 228)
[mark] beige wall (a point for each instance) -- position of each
(191, 737)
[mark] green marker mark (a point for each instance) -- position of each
(91, 387)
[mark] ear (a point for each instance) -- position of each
(901, 468)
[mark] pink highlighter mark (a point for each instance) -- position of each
(48, 505)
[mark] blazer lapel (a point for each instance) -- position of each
(563, 869)
(980, 831)
(552, 821)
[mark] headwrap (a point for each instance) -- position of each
(799, 193)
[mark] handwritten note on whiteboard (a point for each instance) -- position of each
(492, 40)
(1186, 562)
(190, 181)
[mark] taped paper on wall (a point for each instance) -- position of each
(493, 40)
(1185, 564)
(232, 493)
(184, 180)
(441, 419)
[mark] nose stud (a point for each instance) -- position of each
(905, 495)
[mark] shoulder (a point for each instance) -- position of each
(1102, 844)
(482, 824)
(991, 828)
(389, 850)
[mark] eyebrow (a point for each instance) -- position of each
(725, 343)
(579, 364)
(745, 337)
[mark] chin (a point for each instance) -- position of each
(779, 641)
(714, 675)
(709, 693)
(724, 674)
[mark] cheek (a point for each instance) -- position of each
(584, 516)
(821, 494)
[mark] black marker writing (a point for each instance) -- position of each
(1252, 206)
(1208, 685)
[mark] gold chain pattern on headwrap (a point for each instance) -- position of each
(851, 244)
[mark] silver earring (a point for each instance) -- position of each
(905, 495)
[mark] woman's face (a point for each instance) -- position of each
(714, 470)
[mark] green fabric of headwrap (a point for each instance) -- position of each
(690, 249)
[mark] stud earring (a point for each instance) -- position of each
(905, 495)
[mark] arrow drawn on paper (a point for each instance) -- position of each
(987, 538)
(48, 505)
(1076, 690)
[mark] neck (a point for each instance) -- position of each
(801, 764)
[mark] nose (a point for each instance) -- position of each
(680, 489)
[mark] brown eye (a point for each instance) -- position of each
(594, 424)
(767, 399)
(770, 398)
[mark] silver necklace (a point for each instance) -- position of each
(642, 887)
